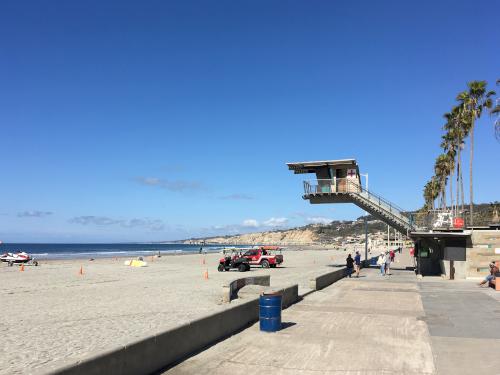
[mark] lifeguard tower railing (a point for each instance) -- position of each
(348, 190)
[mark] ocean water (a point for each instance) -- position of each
(83, 251)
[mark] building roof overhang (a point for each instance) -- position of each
(313, 166)
(465, 233)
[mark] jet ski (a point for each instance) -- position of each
(20, 257)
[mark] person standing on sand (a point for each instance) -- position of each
(349, 264)
(381, 263)
(357, 262)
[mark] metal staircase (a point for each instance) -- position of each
(348, 191)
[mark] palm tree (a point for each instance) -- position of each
(496, 111)
(474, 101)
(456, 130)
(429, 196)
(449, 147)
(435, 188)
(441, 169)
(431, 192)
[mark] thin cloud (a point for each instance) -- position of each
(34, 213)
(237, 197)
(93, 220)
(244, 227)
(250, 223)
(312, 219)
(151, 224)
(225, 229)
(248, 226)
(171, 185)
(276, 222)
(318, 220)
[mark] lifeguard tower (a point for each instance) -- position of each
(440, 249)
(339, 181)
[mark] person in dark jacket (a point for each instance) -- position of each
(349, 264)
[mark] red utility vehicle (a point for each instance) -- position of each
(264, 256)
(233, 260)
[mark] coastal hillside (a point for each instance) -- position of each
(335, 233)
(313, 234)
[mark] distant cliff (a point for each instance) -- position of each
(296, 236)
(314, 234)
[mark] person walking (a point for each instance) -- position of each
(387, 264)
(357, 262)
(392, 254)
(349, 264)
(381, 263)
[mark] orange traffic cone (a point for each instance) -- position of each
(205, 275)
(81, 270)
(22, 268)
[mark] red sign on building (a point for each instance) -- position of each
(458, 222)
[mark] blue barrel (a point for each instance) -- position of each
(270, 312)
(373, 261)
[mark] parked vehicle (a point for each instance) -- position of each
(19, 257)
(265, 256)
(233, 261)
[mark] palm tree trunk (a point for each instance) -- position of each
(462, 192)
(458, 178)
(443, 189)
(451, 189)
(471, 196)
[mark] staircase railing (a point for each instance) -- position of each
(351, 186)
(387, 205)
(376, 198)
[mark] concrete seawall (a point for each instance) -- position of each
(322, 281)
(154, 353)
(231, 288)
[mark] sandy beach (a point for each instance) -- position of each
(51, 312)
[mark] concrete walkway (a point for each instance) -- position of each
(371, 325)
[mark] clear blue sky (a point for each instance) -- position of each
(160, 120)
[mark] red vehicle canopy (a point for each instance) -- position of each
(269, 247)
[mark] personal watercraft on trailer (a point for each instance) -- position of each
(20, 257)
